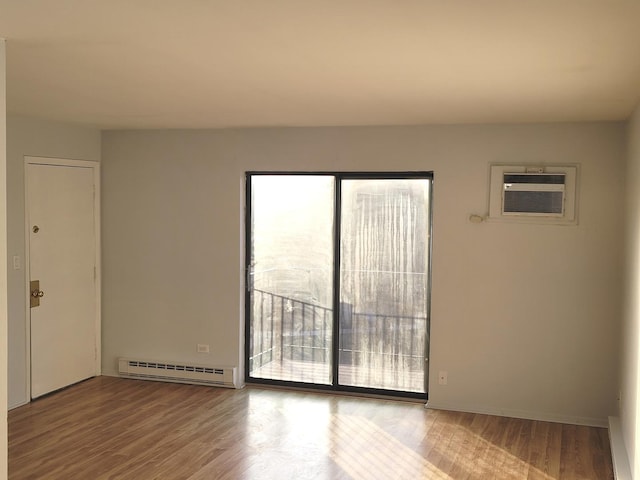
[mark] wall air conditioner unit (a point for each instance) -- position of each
(520, 193)
(536, 194)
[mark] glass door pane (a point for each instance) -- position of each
(384, 250)
(290, 277)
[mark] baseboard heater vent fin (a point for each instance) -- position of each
(176, 372)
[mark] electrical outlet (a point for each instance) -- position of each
(17, 264)
(442, 377)
(202, 348)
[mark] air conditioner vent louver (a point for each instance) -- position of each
(533, 194)
(181, 373)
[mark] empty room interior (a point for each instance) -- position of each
(322, 211)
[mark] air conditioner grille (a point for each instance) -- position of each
(538, 178)
(533, 194)
(533, 202)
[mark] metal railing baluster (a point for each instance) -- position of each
(386, 337)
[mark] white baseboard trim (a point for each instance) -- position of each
(621, 468)
(540, 416)
(110, 373)
(19, 404)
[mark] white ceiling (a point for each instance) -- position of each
(236, 63)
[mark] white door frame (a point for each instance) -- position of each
(95, 166)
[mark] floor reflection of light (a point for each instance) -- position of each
(309, 436)
(470, 455)
(365, 451)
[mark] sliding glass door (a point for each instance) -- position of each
(384, 283)
(338, 280)
(290, 278)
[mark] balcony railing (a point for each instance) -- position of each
(286, 330)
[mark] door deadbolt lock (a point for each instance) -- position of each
(36, 294)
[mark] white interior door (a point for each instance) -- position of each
(62, 257)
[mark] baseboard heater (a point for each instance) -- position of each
(178, 372)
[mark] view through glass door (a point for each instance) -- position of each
(384, 283)
(352, 244)
(290, 278)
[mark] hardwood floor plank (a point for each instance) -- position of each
(544, 452)
(109, 428)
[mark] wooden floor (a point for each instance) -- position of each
(109, 428)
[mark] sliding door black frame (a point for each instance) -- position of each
(338, 177)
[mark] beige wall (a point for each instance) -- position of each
(525, 318)
(630, 384)
(39, 138)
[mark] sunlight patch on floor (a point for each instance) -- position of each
(365, 451)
